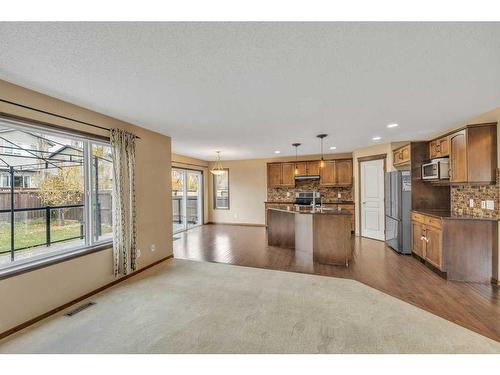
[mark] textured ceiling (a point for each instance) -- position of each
(251, 88)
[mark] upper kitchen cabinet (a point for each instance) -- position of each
(327, 176)
(280, 175)
(288, 174)
(439, 148)
(473, 154)
(401, 156)
(301, 168)
(336, 173)
(313, 168)
(274, 174)
(343, 172)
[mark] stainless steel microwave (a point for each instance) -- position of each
(437, 169)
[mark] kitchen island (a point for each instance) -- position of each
(324, 234)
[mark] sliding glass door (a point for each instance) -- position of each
(187, 199)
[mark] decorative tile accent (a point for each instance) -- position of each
(461, 195)
(328, 194)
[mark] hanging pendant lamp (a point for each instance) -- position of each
(321, 136)
(217, 169)
(296, 145)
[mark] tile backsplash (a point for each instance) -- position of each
(462, 194)
(328, 194)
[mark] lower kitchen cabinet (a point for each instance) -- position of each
(418, 244)
(433, 247)
(462, 248)
(426, 239)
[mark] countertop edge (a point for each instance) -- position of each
(449, 216)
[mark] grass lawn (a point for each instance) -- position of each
(32, 232)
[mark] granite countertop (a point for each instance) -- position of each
(448, 215)
(316, 211)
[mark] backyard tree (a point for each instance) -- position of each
(63, 188)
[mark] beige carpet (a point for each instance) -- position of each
(194, 307)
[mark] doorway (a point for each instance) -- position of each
(372, 210)
(187, 199)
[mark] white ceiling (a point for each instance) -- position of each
(249, 89)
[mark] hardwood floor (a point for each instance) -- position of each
(474, 306)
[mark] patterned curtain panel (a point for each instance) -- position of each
(124, 210)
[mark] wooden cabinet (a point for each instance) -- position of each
(433, 246)
(417, 238)
(327, 174)
(280, 174)
(345, 206)
(439, 148)
(458, 156)
(401, 155)
(312, 168)
(336, 173)
(274, 173)
(463, 249)
(472, 152)
(343, 172)
(288, 174)
(427, 239)
(301, 168)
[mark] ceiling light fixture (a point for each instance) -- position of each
(393, 125)
(333, 148)
(376, 138)
(296, 145)
(277, 152)
(321, 136)
(217, 169)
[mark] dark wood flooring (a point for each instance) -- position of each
(474, 306)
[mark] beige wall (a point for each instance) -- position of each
(28, 295)
(186, 162)
(248, 189)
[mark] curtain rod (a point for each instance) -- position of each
(56, 115)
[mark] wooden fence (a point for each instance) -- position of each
(28, 198)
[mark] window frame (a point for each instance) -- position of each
(90, 245)
(215, 192)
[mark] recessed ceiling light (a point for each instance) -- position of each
(376, 138)
(277, 152)
(333, 148)
(392, 125)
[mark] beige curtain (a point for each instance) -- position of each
(124, 210)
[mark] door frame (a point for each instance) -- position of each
(202, 196)
(360, 216)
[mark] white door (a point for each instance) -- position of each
(372, 199)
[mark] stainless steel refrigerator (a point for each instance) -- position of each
(397, 211)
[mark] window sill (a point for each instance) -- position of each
(19, 269)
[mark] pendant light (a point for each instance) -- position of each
(217, 169)
(296, 145)
(321, 136)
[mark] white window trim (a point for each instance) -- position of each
(69, 252)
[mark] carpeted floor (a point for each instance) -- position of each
(183, 306)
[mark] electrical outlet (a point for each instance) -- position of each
(138, 253)
(235, 216)
(153, 247)
(483, 205)
(490, 205)
(471, 203)
(339, 195)
(287, 194)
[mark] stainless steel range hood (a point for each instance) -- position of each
(301, 178)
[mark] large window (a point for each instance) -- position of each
(221, 190)
(55, 193)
